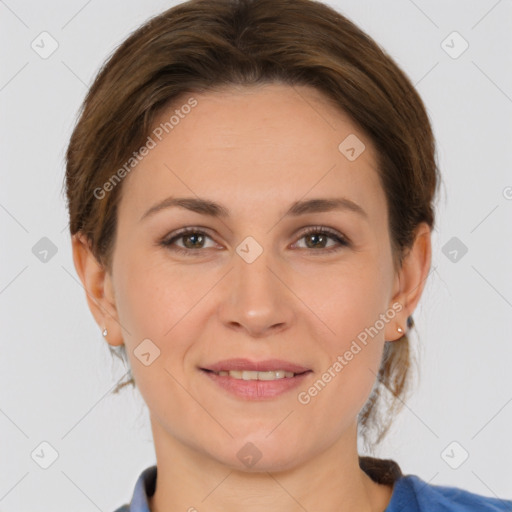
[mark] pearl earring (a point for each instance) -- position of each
(105, 332)
(399, 329)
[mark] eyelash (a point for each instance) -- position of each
(342, 241)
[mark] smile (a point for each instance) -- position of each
(251, 375)
(256, 385)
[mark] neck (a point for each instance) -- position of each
(189, 480)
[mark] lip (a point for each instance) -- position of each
(256, 389)
(242, 364)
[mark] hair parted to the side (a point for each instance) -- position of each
(203, 45)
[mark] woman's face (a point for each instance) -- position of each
(250, 282)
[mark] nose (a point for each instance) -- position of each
(256, 299)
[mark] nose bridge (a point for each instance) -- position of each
(256, 300)
(254, 282)
(252, 268)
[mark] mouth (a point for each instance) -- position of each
(256, 375)
(256, 380)
(269, 369)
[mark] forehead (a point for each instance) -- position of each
(255, 147)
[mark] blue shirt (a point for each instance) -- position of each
(410, 493)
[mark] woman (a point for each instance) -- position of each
(251, 188)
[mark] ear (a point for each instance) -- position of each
(410, 280)
(99, 290)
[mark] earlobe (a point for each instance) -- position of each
(412, 277)
(97, 285)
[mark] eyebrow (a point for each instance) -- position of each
(213, 209)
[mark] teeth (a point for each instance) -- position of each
(247, 375)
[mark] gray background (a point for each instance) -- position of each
(55, 369)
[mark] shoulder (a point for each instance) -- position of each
(411, 489)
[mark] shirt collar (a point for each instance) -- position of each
(144, 488)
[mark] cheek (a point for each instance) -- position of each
(144, 314)
(349, 299)
(352, 305)
(154, 310)
(159, 303)
(150, 296)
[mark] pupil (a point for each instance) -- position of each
(317, 237)
(190, 237)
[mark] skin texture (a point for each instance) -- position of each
(255, 150)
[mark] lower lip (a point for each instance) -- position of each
(256, 389)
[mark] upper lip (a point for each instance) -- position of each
(241, 364)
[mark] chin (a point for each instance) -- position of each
(255, 454)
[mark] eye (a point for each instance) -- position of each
(319, 235)
(194, 239)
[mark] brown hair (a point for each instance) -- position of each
(201, 45)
